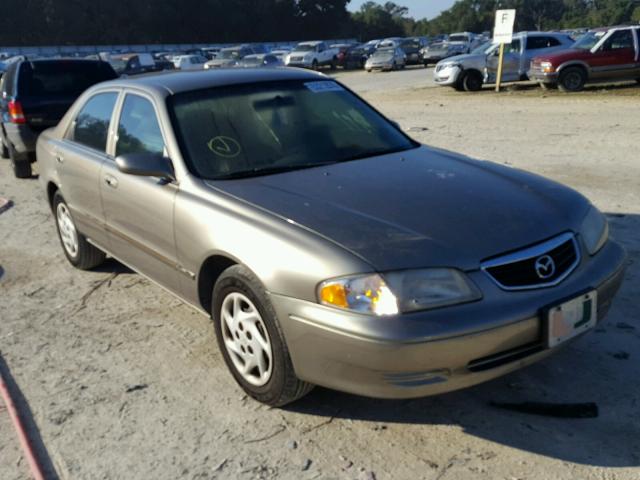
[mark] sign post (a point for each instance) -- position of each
(502, 34)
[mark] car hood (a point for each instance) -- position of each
(559, 57)
(467, 58)
(420, 208)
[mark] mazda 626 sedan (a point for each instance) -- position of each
(329, 248)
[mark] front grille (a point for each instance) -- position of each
(297, 59)
(543, 265)
(502, 358)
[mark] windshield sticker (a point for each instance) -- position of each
(224, 146)
(320, 87)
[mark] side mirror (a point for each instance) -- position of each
(146, 165)
(396, 124)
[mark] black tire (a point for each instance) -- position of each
(283, 386)
(471, 81)
(87, 256)
(572, 79)
(21, 166)
(334, 63)
(394, 67)
(314, 64)
(4, 151)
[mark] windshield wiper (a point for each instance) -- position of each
(258, 172)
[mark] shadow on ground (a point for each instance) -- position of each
(585, 371)
(29, 424)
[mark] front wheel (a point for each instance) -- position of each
(472, 81)
(251, 340)
(4, 150)
(572, 79)
(314, 64)
(80, 253)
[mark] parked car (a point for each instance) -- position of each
(260, 60)
(229, 57)
(386, 59)
(34, 96)
(463, 42)
(371, 46)
(393, 42)
(281, 53)
(313, 55)
(467, 72)
(189, 62)
(350, 56)
(211, 52)
(519, 54)
(609, 54)
(284, 206)
(412, 47)
(436, 51)
(133, 63)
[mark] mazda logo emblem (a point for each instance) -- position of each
(545, 267)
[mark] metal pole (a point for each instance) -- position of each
(500, 60)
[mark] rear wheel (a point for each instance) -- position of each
(251, 340)
(471, 81)
(21, 165)
(572, 79)
(80, 253)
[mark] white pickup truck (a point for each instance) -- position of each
(313, 55)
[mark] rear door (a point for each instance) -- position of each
(139, 210)
(79, 157)
(616, 57)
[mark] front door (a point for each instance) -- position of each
(139, 210)
(616, 57)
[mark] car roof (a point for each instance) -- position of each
(314, 42)
(185, 81)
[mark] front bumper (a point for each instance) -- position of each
(437, 351)
(447, 76)
(539, 76)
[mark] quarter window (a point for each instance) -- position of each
(138, 128)
(92, 123)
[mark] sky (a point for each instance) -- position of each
(417, 8)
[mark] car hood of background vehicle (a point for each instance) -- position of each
(420, 208)
(562, 56)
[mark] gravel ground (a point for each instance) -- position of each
(125, 382)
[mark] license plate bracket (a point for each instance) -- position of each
(571, 318)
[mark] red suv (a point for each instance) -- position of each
(602, 54)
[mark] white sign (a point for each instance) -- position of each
(503, 31)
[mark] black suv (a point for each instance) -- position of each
(35, 95)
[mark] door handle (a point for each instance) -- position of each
(111, 181)
(59, 158)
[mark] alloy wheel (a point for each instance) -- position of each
(67, 229)
(246, 339)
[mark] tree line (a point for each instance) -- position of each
(76, 22)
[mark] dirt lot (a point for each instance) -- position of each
(125, 382)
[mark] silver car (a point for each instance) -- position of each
(466, 72)
(328, 247)
(386, 59)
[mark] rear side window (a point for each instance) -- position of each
(61, 78)
(620, 40)
(92, 123)
(534, 43)
(138, 129)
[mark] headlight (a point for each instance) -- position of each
(594, 230)
(395, 292)
(450, 65)
(547, 67)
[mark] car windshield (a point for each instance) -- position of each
(229, 54)
(118, 64)
(385, 52)
(241, 131)
(458, 38)
(588, 40)
(305, 48)
(484, 48)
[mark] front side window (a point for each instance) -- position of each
(92, 123)
(257, 129)
(138, 128)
